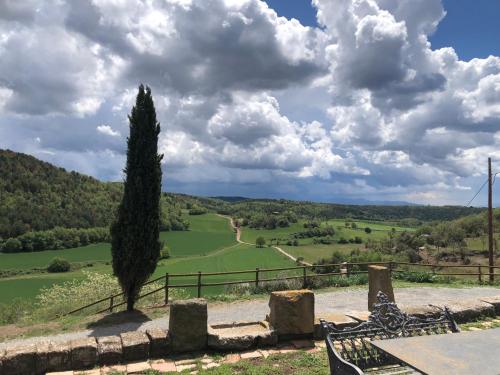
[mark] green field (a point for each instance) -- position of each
(378, 231)
(209, 246)
(40, 259)
(207, 233)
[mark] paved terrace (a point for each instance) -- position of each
(339, 301)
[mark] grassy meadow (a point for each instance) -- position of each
(209, 246)
(313, 252)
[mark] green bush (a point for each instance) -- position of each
(415, 277)
(14, 311)
(58, 265)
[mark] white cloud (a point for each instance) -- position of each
(106, 129)
(362, 106)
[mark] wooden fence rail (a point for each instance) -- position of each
(345, 269)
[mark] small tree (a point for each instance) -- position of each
(260, 242)
(58, 265)
(368, 230)
(135, 244)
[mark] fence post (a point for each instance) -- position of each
(480, 275)
(166, 288)
(257, 277)
(111, 303)
(304, 281)
(199, 284)
(347, 269)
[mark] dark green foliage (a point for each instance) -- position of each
(12, 245)
(260, 241)
(55, 239)
(256, 211)
(368, 230)
(314, 232)
(58, 265)
(415, 276)
(197, 210)
(38, 196)
(135, 244)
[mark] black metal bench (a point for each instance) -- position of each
(350, 351)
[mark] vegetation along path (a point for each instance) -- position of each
(279, 249)
(338, 301)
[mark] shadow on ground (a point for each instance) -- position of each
(114, 324)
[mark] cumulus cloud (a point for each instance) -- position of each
(108, 130)
(362, 106)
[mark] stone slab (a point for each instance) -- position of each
(164, 366)
(138, 367)
(135, 346)
(340, 321)
(468, 310)
(109, 349)
(42, 357)
(241, 336)
(379, 280)
(59, 356)
(422, 311)
(495, 301)
(159, 342)
(19, 360)
(292, 313)
(188, 325)
(83, 353)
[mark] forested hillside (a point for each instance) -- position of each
(35, 195)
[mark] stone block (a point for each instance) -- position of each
(422, 311)
(59, 356)
(495, 301)
(83, 353)
(159, 342)
(241, 336)
(469, 310)
(42, 357)
(340, 320)
(19, 360)
(188, 325)
(135, 346)
(292, 313)
(2, 356)
(379, 280)
(109, 349)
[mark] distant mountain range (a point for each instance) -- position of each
(361, 202)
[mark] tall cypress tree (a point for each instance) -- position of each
(135, 233)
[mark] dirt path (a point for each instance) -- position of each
(342, 301)
(277, 248)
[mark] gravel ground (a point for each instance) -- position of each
(340, 301)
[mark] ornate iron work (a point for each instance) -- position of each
(350, 348)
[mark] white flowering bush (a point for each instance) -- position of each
(70, 295)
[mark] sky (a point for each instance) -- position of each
(348, 101)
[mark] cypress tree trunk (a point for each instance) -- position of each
(135, 245)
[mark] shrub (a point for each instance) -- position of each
(14, 311)
(368, 230)
(197, 211)
(12, 245)
(164, 253)
(58, 265)
(62, 298)
(415, 277)
(260, 241)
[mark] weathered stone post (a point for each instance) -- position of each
(292, 313)
(188, 325)
(379, 279)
